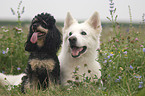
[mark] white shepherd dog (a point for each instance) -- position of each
(80, 42)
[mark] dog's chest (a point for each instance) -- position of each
(49, 64)
(81, 69)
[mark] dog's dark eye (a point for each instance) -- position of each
(83, 33)
(70, 33)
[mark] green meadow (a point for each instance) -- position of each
(122, 57)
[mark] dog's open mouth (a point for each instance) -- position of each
(36, 36)
(41, 34)
(77, 51)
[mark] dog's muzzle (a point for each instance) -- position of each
(75, 50)
(72, 41)
(38, 32)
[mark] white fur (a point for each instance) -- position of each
(93, 28)
(11, 80)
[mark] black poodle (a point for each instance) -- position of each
(43, 42)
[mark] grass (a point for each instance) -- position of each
(122, 56)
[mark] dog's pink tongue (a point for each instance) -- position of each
(34, 37)
(75, 51)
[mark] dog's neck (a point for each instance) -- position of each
(41, 55)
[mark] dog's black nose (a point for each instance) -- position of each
(72, 41)
(35, 25)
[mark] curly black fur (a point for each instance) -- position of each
(53, 37)
(48, 51)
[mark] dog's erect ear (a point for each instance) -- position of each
(94, 21)
(69, 21)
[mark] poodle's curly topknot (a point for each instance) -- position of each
(45, 19)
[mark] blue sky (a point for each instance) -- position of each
(80, 9)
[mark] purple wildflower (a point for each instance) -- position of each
(18, 68)
(140, 82)
(117, 80)
(5, 30)
(109, 76)
(7, 50)
(131, 67)
(105, 61)
(127, 30)
(140, 85)
(105, 58)
(138, 77)
(141, 45)
(125, 52)
(2, 27)
(120, 77)
(4, 52)
(117, 40)
(143, 49)
(74, 71)
(136, 39)
(108, 57)
(111, 55)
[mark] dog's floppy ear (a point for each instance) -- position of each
(94, 21)
(69, 21)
